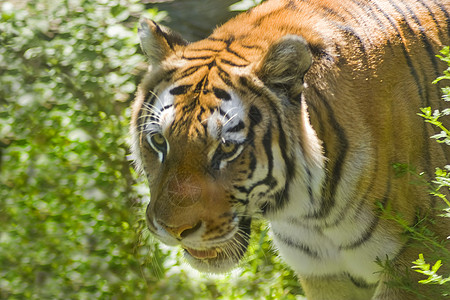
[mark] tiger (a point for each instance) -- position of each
(296, 112)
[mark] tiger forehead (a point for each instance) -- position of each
(207, 112)
(201, 87)
(191, 117)
(214, 59)
(226, 50)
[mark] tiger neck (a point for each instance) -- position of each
(304, 198)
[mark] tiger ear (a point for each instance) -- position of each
(285, 64)
(157, 41)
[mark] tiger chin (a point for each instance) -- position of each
(296, 111)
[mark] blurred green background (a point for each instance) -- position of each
(71, 206)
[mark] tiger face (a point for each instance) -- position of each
(199, 144)
(197, 207)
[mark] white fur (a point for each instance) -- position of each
(218, 124)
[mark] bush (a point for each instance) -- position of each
(71, 207)
(68, 226)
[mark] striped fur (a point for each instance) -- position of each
(295, 111)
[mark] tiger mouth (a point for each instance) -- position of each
(204, 254)
(220, 259)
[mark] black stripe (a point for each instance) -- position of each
(205, 49)
(405, 52)
(269, 180)
(359, 41)
(224, 76)
(168, 74)
(431, 13)
(446, 13)
(236, 54)
(199, 116)
(230, 63)
(305, 249)
(291, 5)
(310, 192)
(425, 97)
(326, 11)
(363, 200)
(251, 47)
(360, 282)
(409, 61)
(361, 25)
(261, 19)
(237, 200)
(211, 64)
(335, 167)
(228, 43)
(320, 124)
(151, 100)
(413, 72)
(368, 232)
(206, 57)
(289, 163)
(241, 189)
(161, 33)
(188, 72)
(245, 82)
(166, 107)
(211, 38)
(199, 119)
(149, 93)
(369, 10)
(255, 117)
(180, 90)
(223, 113)
(221, 94)
(219, 156)
(199, 87)
(425, 41)
(238, 127)
(281, 197)
(267, 144)
(252, 165)
(330, 12)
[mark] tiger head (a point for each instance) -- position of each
(210, 130)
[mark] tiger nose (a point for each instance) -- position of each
(181, 232)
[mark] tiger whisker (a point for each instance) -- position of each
(228, 112)
(230, 119)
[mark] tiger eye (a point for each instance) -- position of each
(158, 139)
(227, 147)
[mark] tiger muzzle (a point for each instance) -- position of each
(189, 207)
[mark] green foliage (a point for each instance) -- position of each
(244, 5)
(71, 208)
(442, 180)
(422, 267)
(67, 203)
